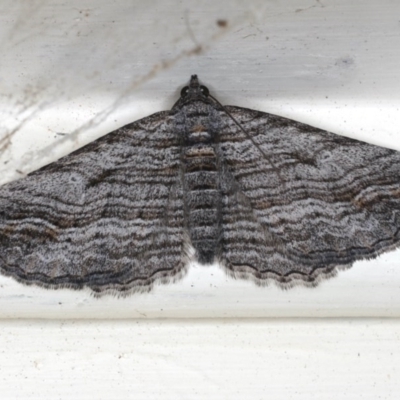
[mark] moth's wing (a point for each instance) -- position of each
(108, 216)
(304, 200)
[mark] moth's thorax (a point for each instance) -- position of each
(198, 130)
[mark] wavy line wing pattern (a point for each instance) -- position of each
(267, 197)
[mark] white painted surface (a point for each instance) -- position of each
(200, 359)
(369, 289)
(87, 67)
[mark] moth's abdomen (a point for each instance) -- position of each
(202, 196)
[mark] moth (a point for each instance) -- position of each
(266, 197)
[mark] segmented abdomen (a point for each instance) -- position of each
(202, 196)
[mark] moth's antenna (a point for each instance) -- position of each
(248, 136)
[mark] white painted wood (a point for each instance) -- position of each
(367, 290)
(87, 67)
(201, 359)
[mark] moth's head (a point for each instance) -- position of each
(194, 89)
(193, 92)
